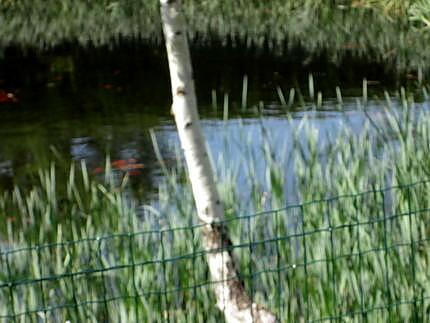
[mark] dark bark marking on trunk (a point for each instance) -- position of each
(180, 90)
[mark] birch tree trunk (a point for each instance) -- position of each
(229, 290)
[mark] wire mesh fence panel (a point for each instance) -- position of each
(361, 257)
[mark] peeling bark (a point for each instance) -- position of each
(230, 293)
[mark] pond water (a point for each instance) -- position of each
(87, 104)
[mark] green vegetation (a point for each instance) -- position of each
(79, 250)
(395, 32)
(76, 247)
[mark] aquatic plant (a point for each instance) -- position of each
(318, 27)
(82, 250)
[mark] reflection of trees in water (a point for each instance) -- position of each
(60, 120)
(61, 140)
(92, 118)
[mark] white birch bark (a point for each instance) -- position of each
(229, 290)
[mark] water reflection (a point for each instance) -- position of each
(235, 143)
(81, 148)
(89, 105)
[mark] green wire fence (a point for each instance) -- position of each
(361, 257)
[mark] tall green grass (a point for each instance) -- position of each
(319, 27)
(80, 250)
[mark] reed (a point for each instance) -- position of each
(81, 249)
(318, 27)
